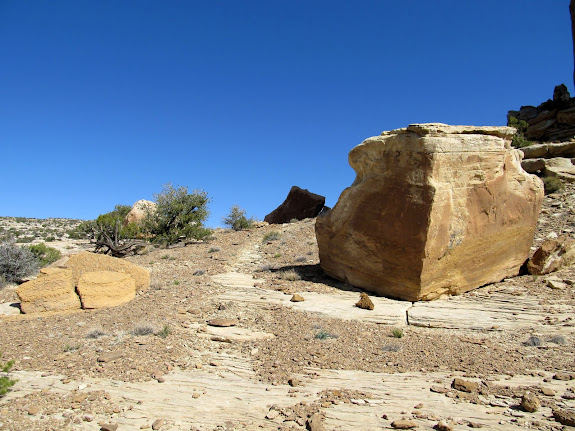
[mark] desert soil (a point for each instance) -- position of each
(156, 363)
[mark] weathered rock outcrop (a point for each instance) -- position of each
(101, 289)
(434, 209)
(86, 280)
(139, 211)
(51, 291)
(553, 120)
(299, 204)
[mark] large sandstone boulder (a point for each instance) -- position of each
(100, 289)
(51, 291)
(139, 211)
(299, 204)
(89, 262)
(434, 209)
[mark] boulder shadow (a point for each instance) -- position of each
(315, 274)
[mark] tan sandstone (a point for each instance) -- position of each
(89, 262)
(552, 255)
(434, 209)
(51, 291)
(139, 211)
(101, 289)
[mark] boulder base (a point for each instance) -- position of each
(100, 289)
(434, 209)
(51, 291)
(299, 204)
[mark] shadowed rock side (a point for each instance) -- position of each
(299, 204)
(434, 209)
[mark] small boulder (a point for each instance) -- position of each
(464, 385)
(52, 291)
(223, 323)
(139, 211)
(565, 417)
(297, 298)
(99, 289)
(299, 204)
(560, 167)
(552, 255)
(530, 403)
(364, 302)
(403, 424)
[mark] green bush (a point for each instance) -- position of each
(519, 140)
(237, 219)
(16, 263)
(178, 215)
(45, 255)
(5, 381)
(552, 185)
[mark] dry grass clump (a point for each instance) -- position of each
(289, 275)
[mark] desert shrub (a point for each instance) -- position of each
(165, 331)
(322, 334)
(45, 255)
(95, 333)
(108, 232)
(558, 339)
(237, 219)
(289, 275)
(178, 214)
(16, 263)
(143, 329)
(552, 185)
(5, 381)
(271, 236)
(519, 140)
(532, 341)
(397, 333)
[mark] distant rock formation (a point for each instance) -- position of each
(434, 209)
(553, 120)
(299, 204)
(85, 280)
(139, 211)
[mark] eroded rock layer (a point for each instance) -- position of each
(434, 209)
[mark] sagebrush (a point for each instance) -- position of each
(16, 263)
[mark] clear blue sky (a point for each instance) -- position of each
(104, 101)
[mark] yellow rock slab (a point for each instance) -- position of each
(52, 291)
(99, 289)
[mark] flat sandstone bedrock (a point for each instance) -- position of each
(230, 392)
(434, 209)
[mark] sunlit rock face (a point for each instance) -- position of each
(434, 209)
